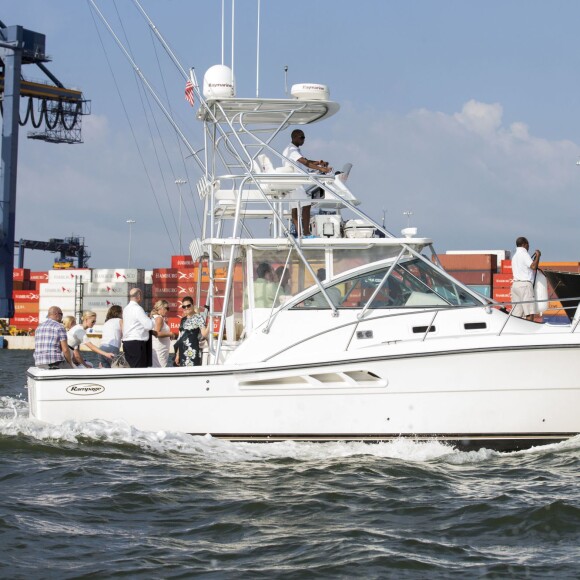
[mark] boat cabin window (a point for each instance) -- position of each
(276, 279)
(412, 284)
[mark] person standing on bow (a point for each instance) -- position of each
(50, 346)
(524, 269)
(191, 329)
(294, 153)
(136, 332)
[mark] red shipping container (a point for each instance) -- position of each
(25, 320)
(469, 261)
(21, 274)
(506, 266)
(182, 262)
(39, 276)
(502, 280)
(474, 277)
(25, 296)
(186, 275)
(163, 292)
(164, 276)
(502, 294)
(173, 324)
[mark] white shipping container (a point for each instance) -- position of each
(65, 303)
(114, 275)
(69, 275)
(104, 289)
(103, 303)
(56, 289)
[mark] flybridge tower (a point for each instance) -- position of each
(60, 111)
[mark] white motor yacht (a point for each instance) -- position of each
(366, 338)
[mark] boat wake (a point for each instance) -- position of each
(15, 422)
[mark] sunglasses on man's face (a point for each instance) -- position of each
(186, 305)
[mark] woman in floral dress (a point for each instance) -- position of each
(191, 329)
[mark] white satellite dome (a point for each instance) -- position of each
(310, 92)
(218, 82)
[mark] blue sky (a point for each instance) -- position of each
(464, 113)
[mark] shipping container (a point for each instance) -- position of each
(56, 289)
(502, 280)
(164, 276)
(573, 267)
(478, 277)
(70, 275)
(506, 267)
(20, 274)
(39, 276)
(25, 296)
(182, 262)
(26, 321)
(469, 262)
(113, 289)
(502, 294)
(113, 275)
(26, 307)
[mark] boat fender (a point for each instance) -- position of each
(541, 292)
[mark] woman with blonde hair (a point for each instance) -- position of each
(162, 335)
(77, 336)
(68, 322)
(112, 333)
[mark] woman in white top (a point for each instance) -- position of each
(112, 332)
(161, 342)
(77, 336)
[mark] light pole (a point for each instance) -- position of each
(408, 214)
(130, 222)
(179, 183)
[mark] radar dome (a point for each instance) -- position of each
(310, 92)
(219, 83)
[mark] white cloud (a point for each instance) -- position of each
(471, 181)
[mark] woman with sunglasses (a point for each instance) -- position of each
(191, 328)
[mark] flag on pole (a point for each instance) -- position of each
(189, 92)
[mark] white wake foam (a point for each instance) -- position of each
(15, 421)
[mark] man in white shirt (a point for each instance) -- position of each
(136, 336)
(524, 268)
(293, 153)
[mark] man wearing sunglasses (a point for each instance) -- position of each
(136, 332)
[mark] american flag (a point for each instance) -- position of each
(189, 92)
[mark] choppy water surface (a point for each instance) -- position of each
(104, 499)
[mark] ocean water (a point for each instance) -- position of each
(99, 499)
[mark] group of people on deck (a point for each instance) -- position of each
(145, 339)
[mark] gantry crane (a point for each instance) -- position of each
(60, 110)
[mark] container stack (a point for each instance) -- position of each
(60, 290)
(502, 283)
(474, 270)
(110, 286)
(25, 296)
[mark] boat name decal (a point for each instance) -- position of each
(85, 389)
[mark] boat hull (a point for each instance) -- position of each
(503, 398)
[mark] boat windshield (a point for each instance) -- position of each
(412, 284)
